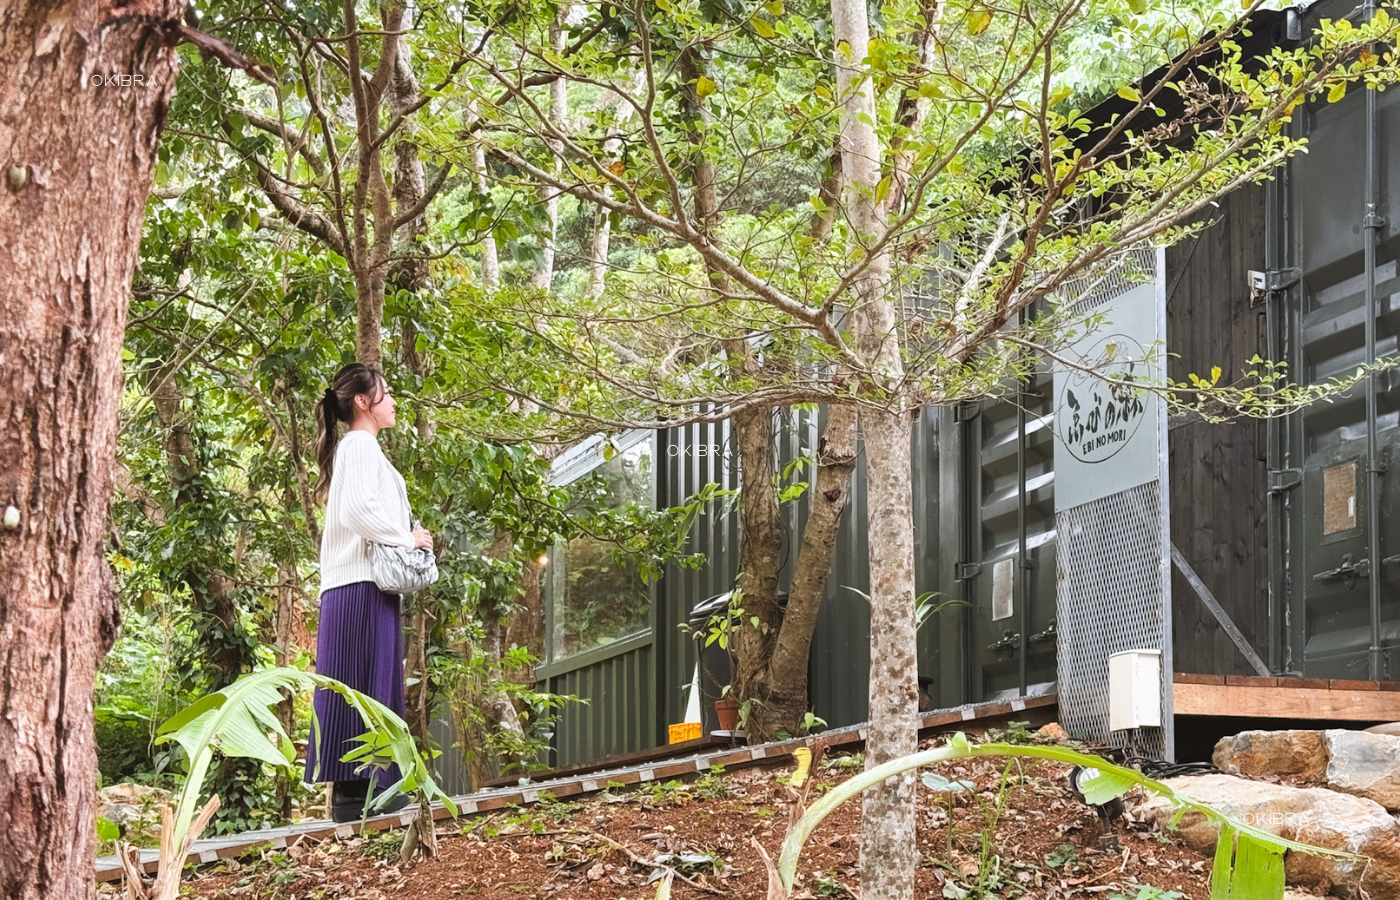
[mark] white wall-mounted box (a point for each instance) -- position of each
(1135, 690)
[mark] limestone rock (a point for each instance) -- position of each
(1367, 765)
(1385, 728)
(1311, 815)
(1273, 753)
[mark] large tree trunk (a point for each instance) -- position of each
(760, 552)
(888, 851)
(77, 170)
(784, 703)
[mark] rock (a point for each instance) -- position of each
(1311, 815)
(1385, 728)
(1367, 765)
(1273, 753)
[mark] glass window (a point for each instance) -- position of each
(595, 600)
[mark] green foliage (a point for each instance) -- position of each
(1146, 892)
(827, 884)
(711, 785)
(476, 674)
(123, 747)
(1063, 856)
(240, 721)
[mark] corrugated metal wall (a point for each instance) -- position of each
(620, 716)
(1335, 240)
(689, 458)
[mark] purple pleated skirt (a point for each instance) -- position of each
(359, 643)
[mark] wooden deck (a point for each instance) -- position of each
(1250, 696)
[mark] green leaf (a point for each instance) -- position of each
(792, 492)
(936, 782)
(1129, 93)
(1137, 6)
(1224, 858)
(1101, 786)
(1258, 870)
(882, 190)
(978, 21)
(763, 28)
(240, 721)
(107, 830)
(704, 87)
(1338, 91)
(774, 7)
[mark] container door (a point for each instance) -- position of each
(1007, 575)
(1319, 459)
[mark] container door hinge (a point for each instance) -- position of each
(1281, 480)
(1264, 282)
(966, 411)
(966, 571)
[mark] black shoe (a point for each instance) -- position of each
(348, 800)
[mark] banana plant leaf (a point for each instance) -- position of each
(240, 721)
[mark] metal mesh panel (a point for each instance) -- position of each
(1110, 598)
(1111, 279)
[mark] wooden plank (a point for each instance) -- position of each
(1217, 472)
(1343, 684)
(1286, 702)
(1197, 678)
(1252, 680)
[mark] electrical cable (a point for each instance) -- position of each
(1159, 768)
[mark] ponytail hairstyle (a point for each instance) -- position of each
(338, 405)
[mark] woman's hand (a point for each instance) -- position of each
(422, 539)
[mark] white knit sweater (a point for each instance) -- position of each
(367, 502)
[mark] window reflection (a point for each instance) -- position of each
(595, 599)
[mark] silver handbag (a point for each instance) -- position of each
(399, 570)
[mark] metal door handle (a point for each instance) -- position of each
(1009, 641)
(1049, 634)
(1347, 571)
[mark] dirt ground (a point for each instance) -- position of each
(1041, 843)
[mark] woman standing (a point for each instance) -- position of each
(360, 640)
